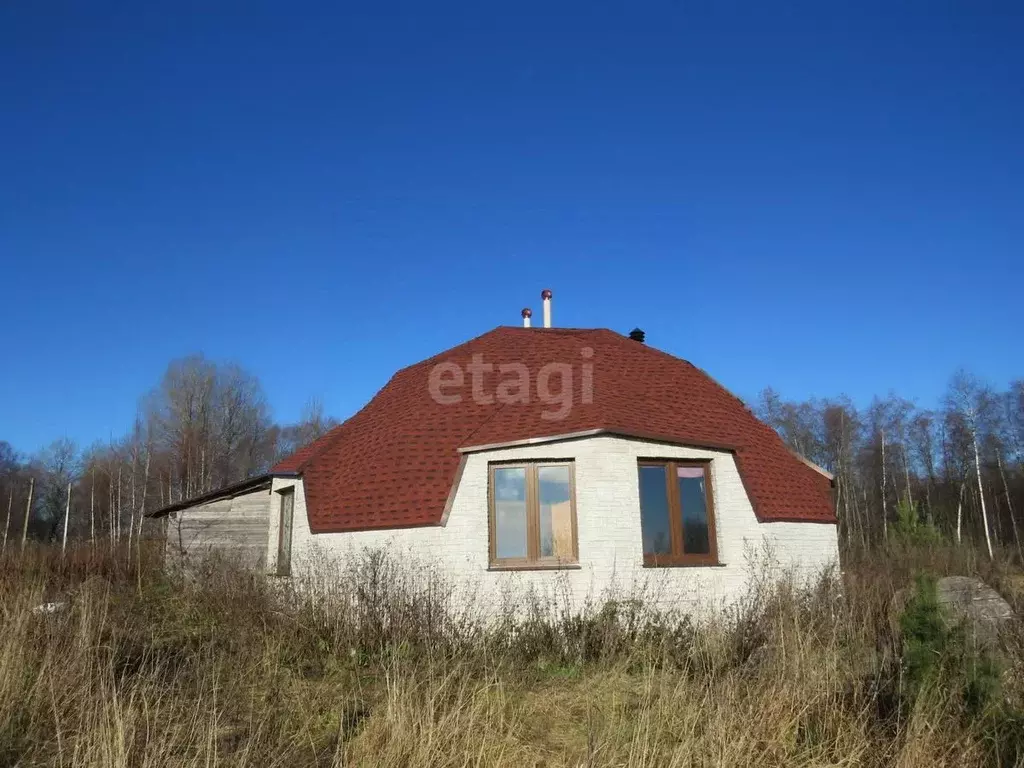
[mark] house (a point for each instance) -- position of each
(530, 456)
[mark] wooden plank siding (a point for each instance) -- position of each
(235, 528)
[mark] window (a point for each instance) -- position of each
(532, 515)
(284, 532)
(677, 513)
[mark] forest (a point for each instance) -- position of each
(954, 471)
(205, 425)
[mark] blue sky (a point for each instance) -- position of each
(825, 198)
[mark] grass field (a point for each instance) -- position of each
(138, 669)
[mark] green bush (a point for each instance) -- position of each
(937, 654)
(983, 684)
(911, 529)
(925, 635)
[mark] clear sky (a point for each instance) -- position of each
(820, 199)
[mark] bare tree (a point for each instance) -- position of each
(312, 425)
(894, 451)
(921, 437)
(210, 424)
(841, 425)
(968, 398)
(900, 413)
(879, 418)
(58, 466)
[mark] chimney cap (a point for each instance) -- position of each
(545, 294)
(527, 312)
(637, 335)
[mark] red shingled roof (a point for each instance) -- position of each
(394, 463)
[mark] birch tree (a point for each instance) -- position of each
(878, 419)
(967, 398)
(58, 466)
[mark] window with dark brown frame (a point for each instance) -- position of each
(677, 513)
(284, 532)
(532, 514)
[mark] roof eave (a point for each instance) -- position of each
(227, 492)
(817, 468)
(597, 432)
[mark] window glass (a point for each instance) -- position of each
(654, 519)
(510, 512)
(693, 500)
(553, 491)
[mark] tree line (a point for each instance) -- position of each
(955, 471)
(204, 426)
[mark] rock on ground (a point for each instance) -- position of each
(976, 605)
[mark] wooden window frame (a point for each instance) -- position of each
(533, 561)
(285, 569)
(679, 558)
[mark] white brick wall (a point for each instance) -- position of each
(608, 519)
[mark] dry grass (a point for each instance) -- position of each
(140, 670)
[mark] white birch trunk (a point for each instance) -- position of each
(92, 510)
(28, 512)
(131, 527)
(885, 514)
(67, 515)
(906, 472)
(960, 512)
(859, 516)
(110, 509)
(131, 521)
(981, 495)
(10, 505)
(844, 521)
(866, 517)
(142, 511)
(117, 516)
(1009, 504)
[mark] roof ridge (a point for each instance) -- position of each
(441, 355)
(322, 444)
(622, 339)
(549, 331)
(325, 440)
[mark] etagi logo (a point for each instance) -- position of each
(551, 384)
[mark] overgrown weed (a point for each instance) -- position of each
(143, 668)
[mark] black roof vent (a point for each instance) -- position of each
(637, 335)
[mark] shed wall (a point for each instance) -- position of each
(235, 528)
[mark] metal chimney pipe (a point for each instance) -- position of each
(546, 296)
(527, 314)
